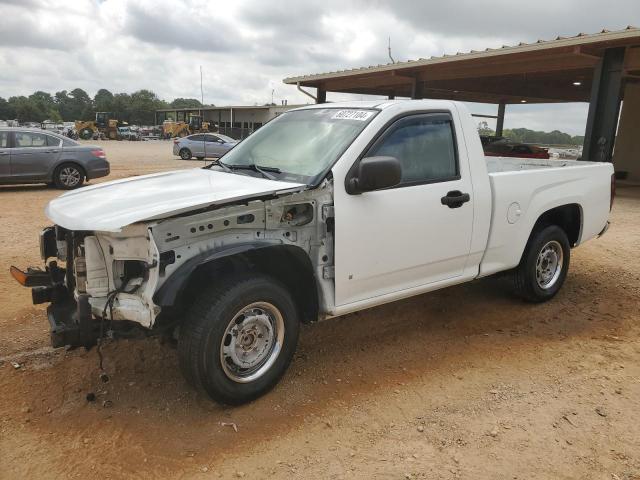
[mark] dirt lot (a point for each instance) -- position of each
(464, 383)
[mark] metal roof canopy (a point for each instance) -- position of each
(560, 70)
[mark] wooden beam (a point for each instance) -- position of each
(581, 51)
(632, 59)
(514, 67)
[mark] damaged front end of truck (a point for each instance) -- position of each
(142, 277)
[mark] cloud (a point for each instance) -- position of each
(515, 20)
(29, 25)
(246, 47)
(174, 25)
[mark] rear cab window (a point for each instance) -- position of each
(4, 139)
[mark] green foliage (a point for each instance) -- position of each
(524, 135)
(103, 101)
(136, 108)
(6, 110)
(27, 110)
(185, 103)
(483, 129)
(144, 103)
(555, 137)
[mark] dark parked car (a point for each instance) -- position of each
(34, 156)
(505, 148)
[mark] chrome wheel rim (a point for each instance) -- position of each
(70, 176)
(252, 342)
(549, 264)
(186, 155)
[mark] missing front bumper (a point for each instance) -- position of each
(72, 323)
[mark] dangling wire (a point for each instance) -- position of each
(111, 296)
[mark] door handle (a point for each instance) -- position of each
(455, 199)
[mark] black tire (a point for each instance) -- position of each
(86, 134)
(200, 158)
(532, 282)
(185, 154)
(64, 175)
(222, 307)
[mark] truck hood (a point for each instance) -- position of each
(110, 206)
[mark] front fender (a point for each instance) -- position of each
(175, 284)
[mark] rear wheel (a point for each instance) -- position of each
(185, 154)
(544, 265)
(68, 176)
(238, 338)
(200, 158)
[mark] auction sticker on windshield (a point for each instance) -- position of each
(361, 115)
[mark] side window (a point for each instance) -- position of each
(30, 139)
(4, 139)
(424, 145)
(211, 139)
(196, 138)
(52, 141)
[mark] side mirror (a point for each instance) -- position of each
(374, 173)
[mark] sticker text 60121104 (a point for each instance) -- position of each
(361, 115)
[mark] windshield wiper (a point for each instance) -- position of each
(218, 162)
(256, 168)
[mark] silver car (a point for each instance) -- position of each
(203, 145)
(36, 156)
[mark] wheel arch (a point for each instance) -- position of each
(568, 217)
(290, 265)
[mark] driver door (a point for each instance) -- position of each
(406, 236)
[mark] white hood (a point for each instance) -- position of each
(110, 206)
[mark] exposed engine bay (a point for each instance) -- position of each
(135, 275)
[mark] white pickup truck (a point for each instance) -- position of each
(326, 210)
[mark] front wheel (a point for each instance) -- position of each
(185, 154)
(544, 265)
(238, 338)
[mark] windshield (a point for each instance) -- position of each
(300, 146)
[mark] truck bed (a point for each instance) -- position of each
(511, 164)
(524, 188)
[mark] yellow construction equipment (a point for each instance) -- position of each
(103, 124)
(182, 129)
(86, 129)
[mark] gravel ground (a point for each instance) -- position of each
(467, 382)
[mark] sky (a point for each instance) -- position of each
(246, 47)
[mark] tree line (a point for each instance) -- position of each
(137, 108)
(524, 135)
